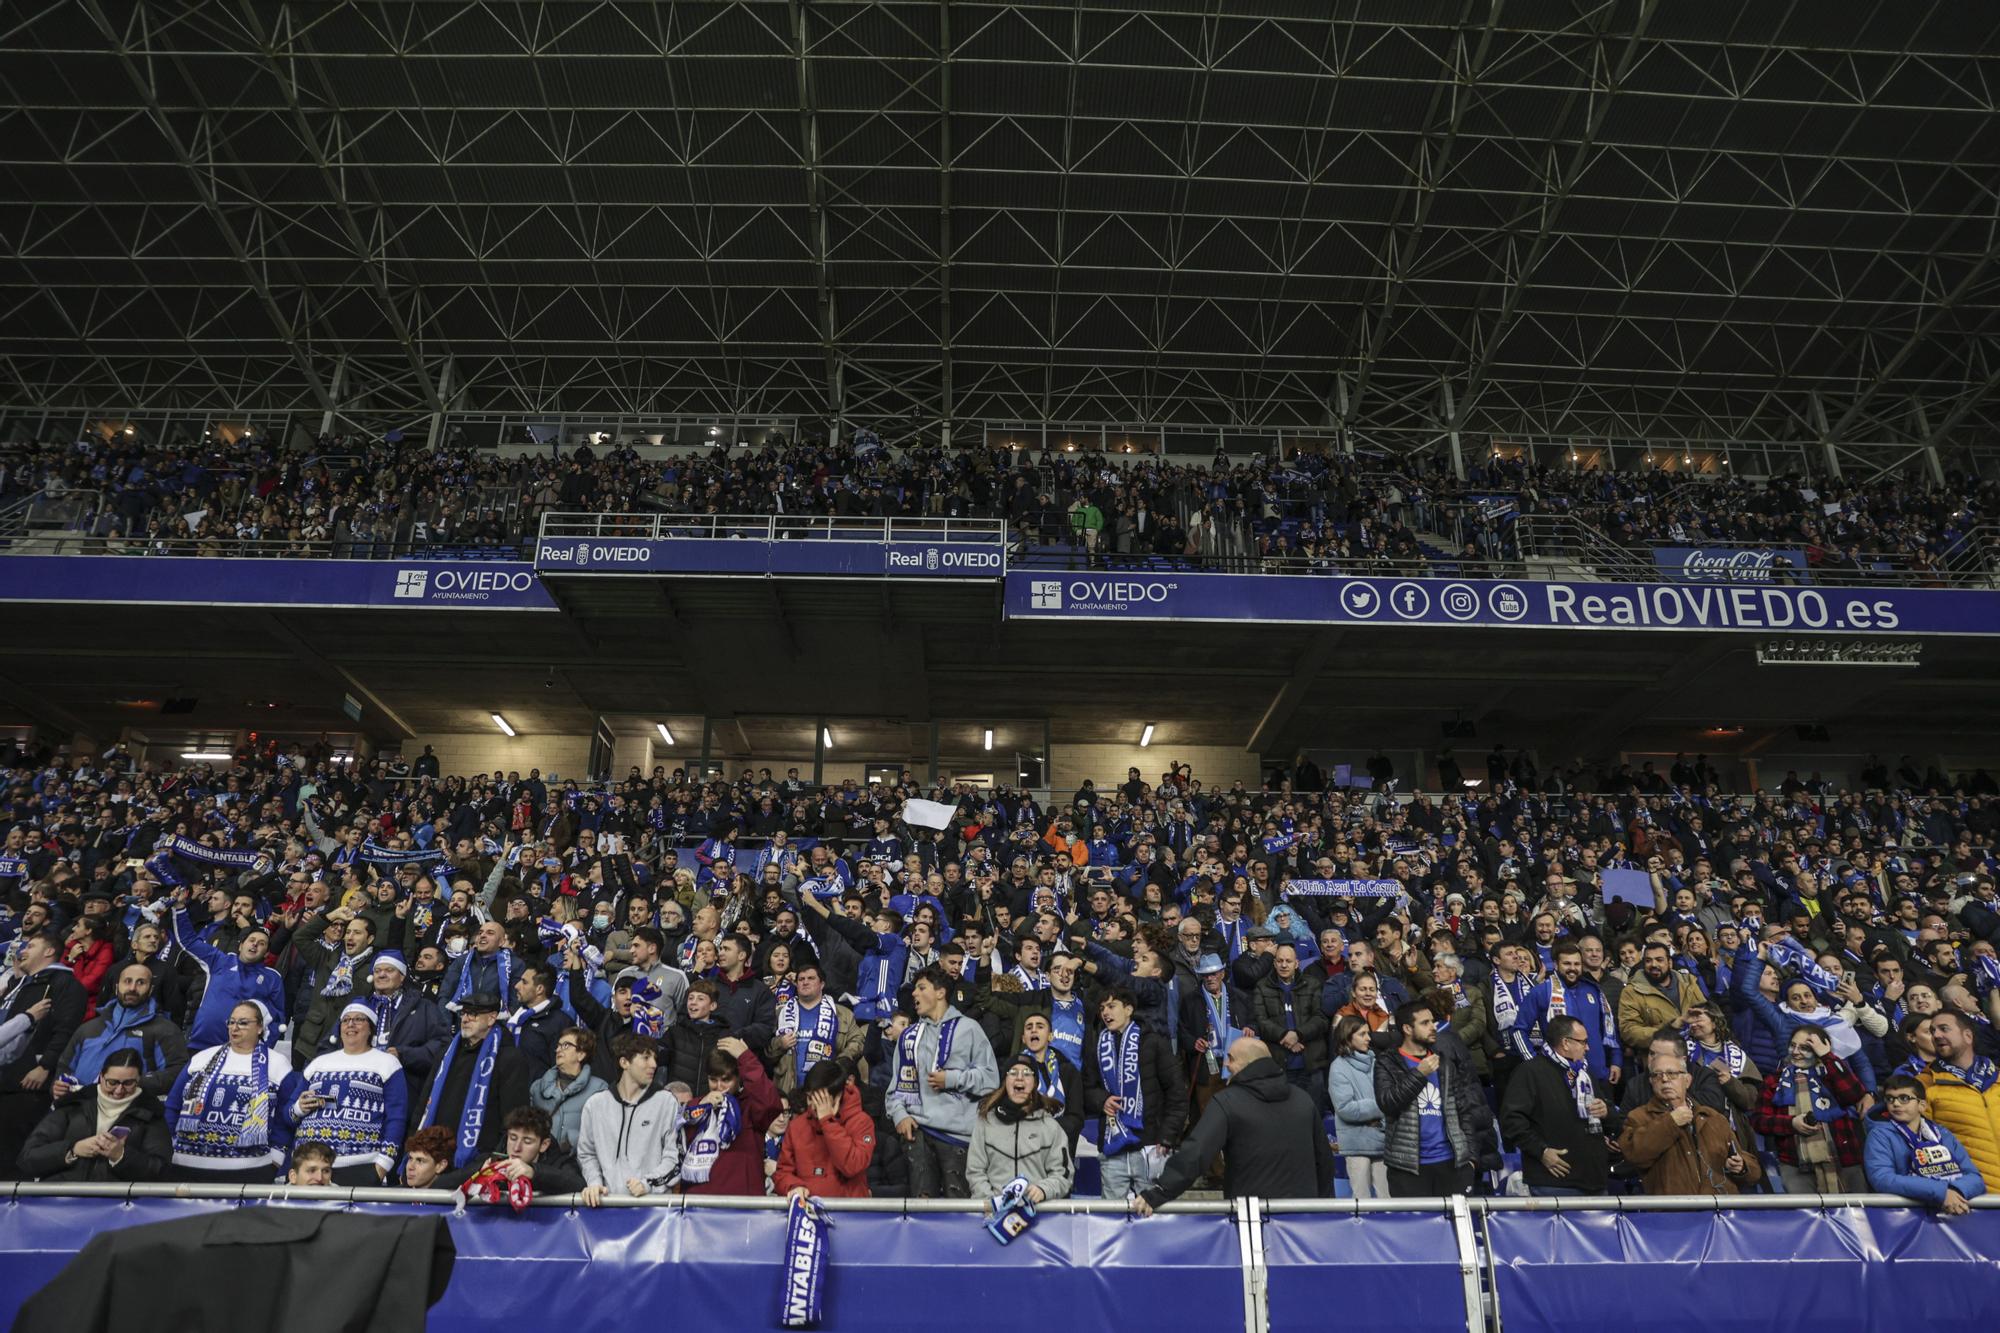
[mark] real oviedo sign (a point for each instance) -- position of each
(806, 557)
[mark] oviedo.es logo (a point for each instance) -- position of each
(460, 585)
(1136, 595)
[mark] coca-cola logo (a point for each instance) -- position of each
(1732, 566)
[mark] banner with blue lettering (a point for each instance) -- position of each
(1732, 564)
(472, 585)
(1498, 603)
(804, 557)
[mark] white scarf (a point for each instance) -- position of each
(109, 1108)
(1846, 1041)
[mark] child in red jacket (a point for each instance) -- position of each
(831, 1140)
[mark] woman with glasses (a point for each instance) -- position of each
(114, 1132)
(1912, 1155)
(564, 1088)
(228, 1108)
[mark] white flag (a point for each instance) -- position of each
(928, 814)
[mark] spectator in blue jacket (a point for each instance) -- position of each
(233, 979)
(1912, 1155)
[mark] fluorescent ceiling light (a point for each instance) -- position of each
(826, 737)
(665, 735)
(211, 756)
(989, 738)
(501, 723)
(1146, 737)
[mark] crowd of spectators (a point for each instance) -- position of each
(507, 983)
(1310, 512)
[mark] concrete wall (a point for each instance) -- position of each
(484, 751)
(1215, 765)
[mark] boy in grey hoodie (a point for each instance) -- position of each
(629, 1141)
(939, 1070)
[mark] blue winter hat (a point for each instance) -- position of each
(394, 958)
(1207, 965)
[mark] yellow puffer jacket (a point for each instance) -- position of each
(1969, 1113)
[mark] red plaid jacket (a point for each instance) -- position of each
(1775, 1122)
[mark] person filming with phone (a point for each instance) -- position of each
(116, 1132)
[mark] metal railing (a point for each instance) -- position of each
(769, 527)
(65, 543)
(1477, 1258)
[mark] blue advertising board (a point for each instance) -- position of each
(1498, 603)
(806, 557)
(1733, 564)
(477, 585)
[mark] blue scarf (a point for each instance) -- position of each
(1013, 1212)
(648, 1019)
(1979, 1078)
(1030, 981)
(1118, 1065)
(1066, 1026)
(119, 1023)
(1729, 1056)
(255, 1129)
(186, 849)
(473, 1117)
(1825, 1107)
(906, 1076)
(710, 1130)
(806, 1226)
(1929, 1157)
(815, 1043)
(1789, 952)
(503, 959)
(1220, 1031)
(1048, 1074)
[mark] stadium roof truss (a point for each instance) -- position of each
(1699, 219)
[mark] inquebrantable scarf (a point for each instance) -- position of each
(806, 1225)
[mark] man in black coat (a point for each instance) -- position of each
(1554, 1115)
(43, 1007)
(539, 1021)
(67, 1146)
(507, 1085)
(1267, 1129)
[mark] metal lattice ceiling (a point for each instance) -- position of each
(1553, 217)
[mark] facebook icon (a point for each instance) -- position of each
(1410, 601)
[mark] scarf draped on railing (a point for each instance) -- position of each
(806, 1225)
(1013, 1212)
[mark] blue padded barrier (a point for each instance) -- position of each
(1751, 1269)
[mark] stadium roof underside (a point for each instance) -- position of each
(1700, 220)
